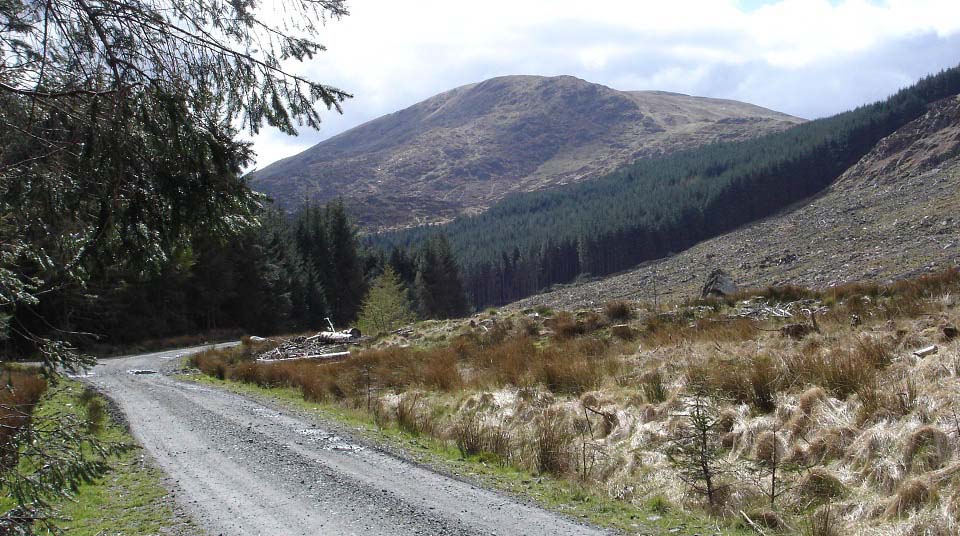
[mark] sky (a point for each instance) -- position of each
(808, 58)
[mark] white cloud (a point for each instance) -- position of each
(805, 57)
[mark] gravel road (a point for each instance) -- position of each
(241, 467)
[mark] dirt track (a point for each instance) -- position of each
(245, 468)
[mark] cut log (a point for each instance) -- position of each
(334, 337)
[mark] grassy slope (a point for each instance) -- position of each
(850, 404)
(130, 499)
(551, 493)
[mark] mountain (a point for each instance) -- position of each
(656, 207)
(461, 151)
(893, 214)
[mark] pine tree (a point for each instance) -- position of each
(346, 283)
(119, 147)
(310, 232)
(696, 452)
(386, 306)
(439, 282)
(403, 265)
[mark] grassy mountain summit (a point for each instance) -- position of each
(462, 150)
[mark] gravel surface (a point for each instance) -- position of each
(241, 467)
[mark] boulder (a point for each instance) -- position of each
(719, 283)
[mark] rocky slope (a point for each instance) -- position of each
(895, 213)
(464, 149)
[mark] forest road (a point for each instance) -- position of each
(242, 467)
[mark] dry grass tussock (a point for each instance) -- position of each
(19, 394)
(843, 430)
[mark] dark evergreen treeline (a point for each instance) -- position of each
(286, 274)
(654, 207)
(291, 271)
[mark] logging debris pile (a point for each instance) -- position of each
(323, 345)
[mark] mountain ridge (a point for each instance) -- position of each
(464, 149)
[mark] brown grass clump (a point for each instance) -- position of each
(844, 371)
(768, 448)
(592, 322)
(553, 440)
(568, 375)
(764, 380)
(753, 381)
(828, 444)
(468, 435)
(413, 419)
(528, 327)
(787, 293)
(810, 398)
(653, 387)
(473, 437)
(886, 400)
(874, 351)
(767, 518)
(663, 331)
(19, 394)
(210, 364)
(572, 367)
(565, 326)
(911, 496)
(819, 486)
(440, 370)
(926, 449)
(824, 521)
(618, 310)
(508, 363)
(623, 332)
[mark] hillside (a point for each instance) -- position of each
(657, 207)
(711, 417)
(462, 150)
(891, 215)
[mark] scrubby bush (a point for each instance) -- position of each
(618, 310)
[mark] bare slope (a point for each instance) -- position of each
(461, 150)
(893, 214)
